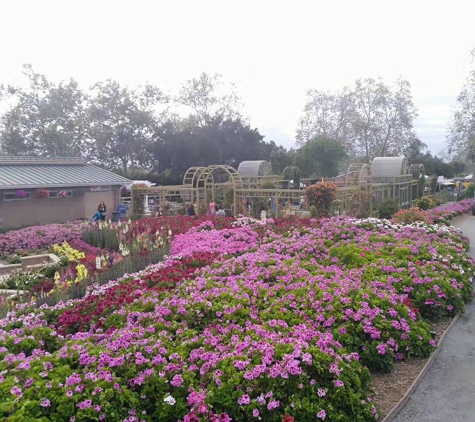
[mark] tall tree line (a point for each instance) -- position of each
(135, 130)
(132, 130)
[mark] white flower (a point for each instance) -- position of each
(169, 400)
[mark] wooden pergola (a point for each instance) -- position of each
(388, 178)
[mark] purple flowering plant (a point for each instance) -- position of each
(283, 324)
(20, 193)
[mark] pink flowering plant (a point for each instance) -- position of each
(41, 193)
(39, 237)
(281, 322)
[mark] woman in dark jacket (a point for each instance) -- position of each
(102, 209)
(191, 210)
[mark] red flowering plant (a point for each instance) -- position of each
(412, 215)
(321, 196)
(93, 308)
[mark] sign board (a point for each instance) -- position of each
(100, 188)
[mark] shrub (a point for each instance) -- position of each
(425, 203)
(313, 211)
(268, 185)
(138, 193)
(412, 215)
(445, 196)
(387, 209)
(321, 196)
(468, 193)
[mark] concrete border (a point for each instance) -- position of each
(401, 403)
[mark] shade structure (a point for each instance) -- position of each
(389, 167)
(255, 168)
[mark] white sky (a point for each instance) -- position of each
(274, 50)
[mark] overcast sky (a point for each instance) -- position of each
(274, 50)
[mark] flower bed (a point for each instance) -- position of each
(39, 237)
(268, 321)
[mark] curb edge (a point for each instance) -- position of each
(401, 403)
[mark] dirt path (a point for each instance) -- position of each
(447, 392)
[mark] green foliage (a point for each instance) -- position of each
(387, 209)
(321, 157)
(104, 237)
(313, 211)
(470, 191)
(445, 196)
(228, 198)
(292, 173)
(44, 119)
(425, 203)
(138, 193)
(268, 185)
(258, 205)
(131, 264)
(360, 204)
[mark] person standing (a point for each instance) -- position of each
(101, 209)
(191, 210)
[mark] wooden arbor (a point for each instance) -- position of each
(212, 184)
(201, 185)
(388, 178)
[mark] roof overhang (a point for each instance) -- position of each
(65, 186)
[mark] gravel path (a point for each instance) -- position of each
(447, 392)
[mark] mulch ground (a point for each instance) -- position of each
(390, 388)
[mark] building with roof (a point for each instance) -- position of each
(36, 190)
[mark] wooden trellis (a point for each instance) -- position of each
(388, 178)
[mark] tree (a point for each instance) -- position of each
(461, 136)
(280, 158)
(370, 119)
(44, 119)
(327, 115)
(209, 99)
(414, 151)
(384, 118)
(321, 157)
(228, 142)
(123, 124)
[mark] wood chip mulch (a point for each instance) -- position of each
(390, 388)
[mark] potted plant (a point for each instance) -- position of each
(20, 194)
(42, 193)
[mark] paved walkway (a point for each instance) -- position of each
(447, 392)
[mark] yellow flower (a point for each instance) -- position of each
(66, 250)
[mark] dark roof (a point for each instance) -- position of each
(36, 172)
